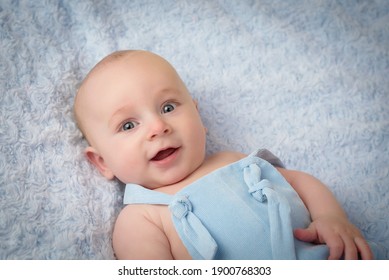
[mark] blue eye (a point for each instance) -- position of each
(167, 108)
(128, 125)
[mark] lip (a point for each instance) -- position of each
(168, 160)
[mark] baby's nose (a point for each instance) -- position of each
(159, 127)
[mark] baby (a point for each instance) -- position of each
(144, 129)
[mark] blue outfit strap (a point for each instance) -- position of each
(278, 211)
(195, 232)
(135, 194)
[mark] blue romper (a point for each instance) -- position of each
(245, 210)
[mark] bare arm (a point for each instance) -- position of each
(330, 224)
(137, 237)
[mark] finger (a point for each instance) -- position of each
(336, 246)
(350, 248)
(363, 248)
(307, 235)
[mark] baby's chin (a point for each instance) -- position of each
(174, 178)
(164, 184)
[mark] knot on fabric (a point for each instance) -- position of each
(193, 231)
(180, 207)
(252, 177)
(256, 190)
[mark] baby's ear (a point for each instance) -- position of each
(97, 160)
(196, 104)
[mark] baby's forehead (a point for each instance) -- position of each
(107, 71)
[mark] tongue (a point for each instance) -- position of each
(163, 154)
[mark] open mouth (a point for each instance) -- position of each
(161, 155)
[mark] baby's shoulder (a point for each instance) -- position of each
(128, 217)
(136, 213)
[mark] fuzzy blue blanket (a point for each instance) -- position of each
(305, 79)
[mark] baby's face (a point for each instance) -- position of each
(141, 122)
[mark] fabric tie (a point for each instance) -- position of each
(282, 240)
(194, 230)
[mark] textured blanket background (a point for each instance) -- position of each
(305, 79)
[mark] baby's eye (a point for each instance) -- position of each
(169, 107)
(129, 125)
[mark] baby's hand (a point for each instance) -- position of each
(342, 238)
